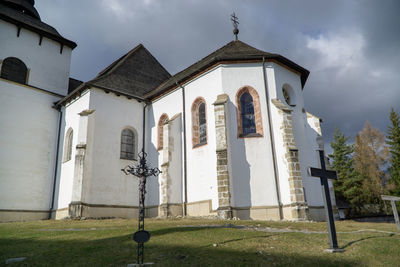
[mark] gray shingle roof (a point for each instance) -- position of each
(73, 84)
(135, 74)
(233, 51)
(29, 22)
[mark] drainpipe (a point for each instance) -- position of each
(56, 162)
(144, 126)
(184, 148)
(271, 136)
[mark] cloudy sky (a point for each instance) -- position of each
(351, 47)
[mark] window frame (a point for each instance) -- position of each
(160, 131)
(69, 138)
(123, 153)
(196, 138)
(256, 109)
(5, 72)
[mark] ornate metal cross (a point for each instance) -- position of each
(324, 175)
(235, 21)
(142, 171)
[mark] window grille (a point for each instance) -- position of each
(127, 144)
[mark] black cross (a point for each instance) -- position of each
(142, 171)
(324, 175)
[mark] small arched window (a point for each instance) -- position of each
(68, 145)
(127, 144)
(14, 69)
(249, 113)
(160, 130)
(199, 122)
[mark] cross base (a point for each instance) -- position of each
(334, 250)
(138, 264)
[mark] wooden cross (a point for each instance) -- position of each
(324, 175)
(394, 208)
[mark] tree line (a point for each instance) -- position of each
(368, 168)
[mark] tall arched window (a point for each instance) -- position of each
(249, 113)
(160, 130)
(68, 145)
(199, 122)
(14, 69)
(128, 144)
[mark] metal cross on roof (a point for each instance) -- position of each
(235, 21)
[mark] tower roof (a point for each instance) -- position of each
(24, 6)
(23, 14)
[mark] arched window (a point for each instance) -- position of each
(14, 69)
(249, 113)
(160, 130)
(199, 122)
(127, 144)
(68, 145)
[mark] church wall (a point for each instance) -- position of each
(48, 69)
(171, 105)
(304, 137)
(202, 160)
(28, 139)
(71, 120)
(251, 163)
(104, 181)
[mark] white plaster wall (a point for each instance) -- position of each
(251, 166)
(70, 120)
(170, 104)
(304, 135)
(175, 184)
(202, 160)
(104, 182)
(48, 69)
(28, 137)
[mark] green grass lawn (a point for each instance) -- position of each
(198, 242)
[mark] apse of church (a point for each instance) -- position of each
(230, 134)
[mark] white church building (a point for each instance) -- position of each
(230, 133)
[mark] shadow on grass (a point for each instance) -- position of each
(121, 250)
(172, 230)
(365, 238)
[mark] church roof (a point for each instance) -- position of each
(73, 84)
(134, 74)
(231, 52)
(22, 14)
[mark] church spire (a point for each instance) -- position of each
(235, 21)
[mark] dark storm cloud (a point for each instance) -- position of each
(350, 47)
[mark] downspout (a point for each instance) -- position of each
(184, 149)
(56, 162)
(144, 126)
(272, 140)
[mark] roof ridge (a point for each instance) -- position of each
(111, 68)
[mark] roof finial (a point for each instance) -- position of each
(235, 21)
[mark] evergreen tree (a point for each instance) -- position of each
(348, 186)
(393, 140)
